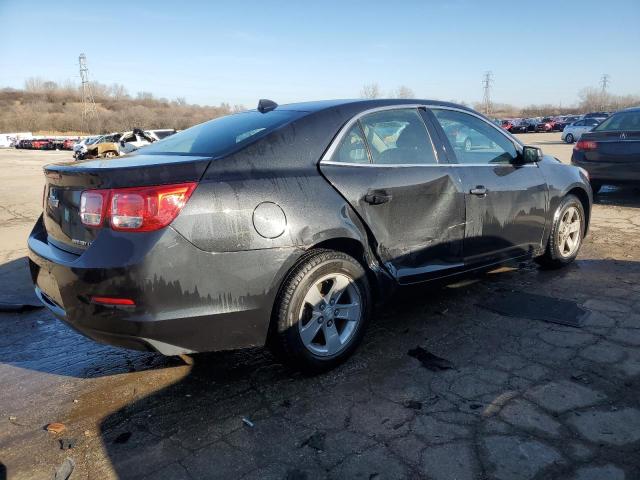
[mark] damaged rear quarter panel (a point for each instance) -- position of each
(280, 168)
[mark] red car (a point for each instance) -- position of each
(507, 125)
(42, 144)
(68, 143)
(547, 124)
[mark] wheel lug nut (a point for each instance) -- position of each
(320, 319)
(322, 307)
(336, 312)
(329, 323)
(332, 302)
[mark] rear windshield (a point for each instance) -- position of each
(621, 121)
(222, 135)
(163, 133)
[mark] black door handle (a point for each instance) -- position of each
(479, 190)
(377, 198)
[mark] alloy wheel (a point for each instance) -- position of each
(569, 232)
(330, 314)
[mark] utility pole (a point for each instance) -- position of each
(604, 84)
(486, 86)
(89, 110)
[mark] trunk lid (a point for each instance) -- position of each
(614, 146)
(65, 183)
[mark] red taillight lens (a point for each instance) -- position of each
(138, 209)
(92, 207)
(115, 301)
(586, 145)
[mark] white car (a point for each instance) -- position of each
(80, 147)
(573, 132)
(133, 140)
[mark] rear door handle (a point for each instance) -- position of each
(377, 198)
(479, 190)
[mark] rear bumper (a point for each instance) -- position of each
(186, 300)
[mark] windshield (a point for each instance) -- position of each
(621, 121)
(223, 135)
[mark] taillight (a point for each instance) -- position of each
(585, 145)
(138, 209)
(92, 207)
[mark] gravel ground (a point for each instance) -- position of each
(515, 399)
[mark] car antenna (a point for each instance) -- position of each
(265, 105)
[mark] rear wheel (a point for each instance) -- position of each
(322, 311)
(110, 154)
(566, 234)
(569, 138)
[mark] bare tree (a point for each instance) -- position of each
(404, 92)
(370, 90)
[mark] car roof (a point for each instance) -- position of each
(318, 105)
(631, 109)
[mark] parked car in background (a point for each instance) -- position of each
(548, 124)
(611, 151)
(602, 115)
(80, 147)
(563, 121)
(104, 146)
(507, 125)
(518, 125)
(574, 131)
(279, 225)
(133, 140)
(159, 134)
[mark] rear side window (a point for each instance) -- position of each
(353, 148)
(398, 137)
(223, 135)
(629, 121)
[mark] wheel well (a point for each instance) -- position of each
(584, 199)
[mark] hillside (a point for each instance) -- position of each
(48, 107)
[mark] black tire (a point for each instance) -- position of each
(285, 339)
(596, 186)
(552, 257)
(569, 138)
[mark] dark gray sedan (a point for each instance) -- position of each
(284, 224)
(611, 151)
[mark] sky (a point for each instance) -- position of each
(240, 51)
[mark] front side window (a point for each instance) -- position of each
(398, 137)
(475, 141)
(353, 148)
(628, 121)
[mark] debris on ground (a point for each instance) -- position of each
(315, 441)
(18, 307)
(67, 443)
(123, 437)
(429, 360)
(55, 427)
(65, 470)
(247, 422)
(12, 418)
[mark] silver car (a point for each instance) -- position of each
(573, 132)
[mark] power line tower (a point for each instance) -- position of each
(89, 110)
(604, 84)
(486, 86)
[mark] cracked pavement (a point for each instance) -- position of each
(525, 399)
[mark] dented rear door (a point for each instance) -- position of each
(413, 205)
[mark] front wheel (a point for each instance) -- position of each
(322, 311)
(569, 138)
(566, 234)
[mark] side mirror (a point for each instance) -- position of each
(531, 154)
